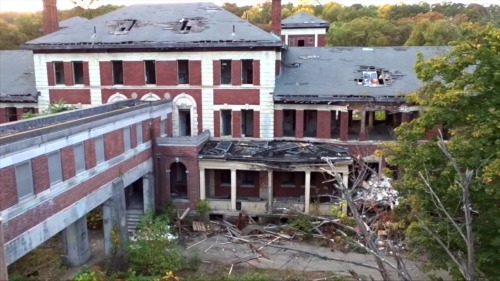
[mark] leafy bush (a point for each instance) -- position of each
(202, 207)
(87, 274)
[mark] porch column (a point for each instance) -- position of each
(370, 119)
(167, 189)
(3, 259)
(202, 184)
(344, 125)
(107, 226)
(76, 242)
(316, 40)
(119, 212)
(362, 129)
(307, 194)
(270, 191)
(233, 189)
(148, 192)
(345, 180)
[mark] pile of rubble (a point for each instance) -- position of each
(377, 190)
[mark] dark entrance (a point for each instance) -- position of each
(178, 181)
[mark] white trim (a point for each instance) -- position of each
(116, 97)
(183, 102)
(150, 97)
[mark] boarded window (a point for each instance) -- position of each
(150, 71)
(99, 149)
(247, 123)
(247, 72)
(117, 72)
(225, 72)
(24, 180)
(226, 117)
(59, 72)
(55, 167)
(79, 152)
(126, 138)
(183, 71)
(78, 72)
(140, 138)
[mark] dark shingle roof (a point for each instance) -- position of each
(17, 76)
(303, 20)
(328, 74)
(72, 21)
(182, 25)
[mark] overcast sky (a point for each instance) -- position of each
(36, 5)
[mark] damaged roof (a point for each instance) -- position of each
(325, 74)
(72, 21)
(273, 152)
(17, 76)
(163, 26)
(303, 20)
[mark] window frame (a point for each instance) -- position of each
(226, 67)
(247, 71)
(117, 79)
(150, 78)
(55, 65)
(79, 155)
(139, 133)
(184, 66)
(74, 72)
(52, 173)
(223, 120)
(18, 178)
(127, 140)
(99, 142)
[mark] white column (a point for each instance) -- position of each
(233, 189)
(107, 225)
(345, 180)
(147, 192)
(270, 190)
(307, 194)
(316, 40)
(76, 242)
(202, 184)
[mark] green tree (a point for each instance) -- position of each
(433, 33)
(331, 11)
(10, 37)
(460, 92)
(30, 24)
(365, 31)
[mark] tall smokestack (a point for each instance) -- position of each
(276, 17)
(50, 21)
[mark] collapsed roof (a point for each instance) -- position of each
(17, 77)
(303, 20)
(160, 26)
(325, 74)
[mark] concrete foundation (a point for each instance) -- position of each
(148, 192)
(76, 242)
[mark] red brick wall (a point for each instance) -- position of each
(217, 123)
(256, 124)
(236, 124)
(278, 67)
(146, 128)
(32, 217)
(256, 72)
(236, 72)
(237, 96)
(8, 192)
(245, 190)
(3, 115)
(50, 73)
(299, 123)
(195, 72)
(321, 40)
(71, 96)
(40, 168)
(324, 124)
(133, 73)
(68, 162)
(296, 191)
(293, 40)
(133, 136)
(90, 159)
(166, 73)
(106, 68)
(344, 125)
(278, 123)
(68, 73)
(216, 72)
(86, 78)
(113, 144)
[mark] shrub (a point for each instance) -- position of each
(202, 207)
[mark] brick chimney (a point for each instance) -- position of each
(50, 21)
(276, 17)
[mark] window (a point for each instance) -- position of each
(59, 72)
(300, 43)
(79, 152)
(288, 123)
(225, 177)
(99, 150)
(288, 179)
(150, 71)
(247, 72)
(24, 180)
(225, 72)
(55, 167)
(310, 123)
(126, 138)
(117, 72)
(140, 138)
(163, 127)
(78, 72)
(184, 122)
(226, 117)
(247, 123)
(183, 71)
(248, 178)
(11, 113)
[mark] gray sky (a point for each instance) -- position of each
(36, 5)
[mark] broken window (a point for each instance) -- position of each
(117, 71)
(288, 123)
(247, 123)
(248, 178)
(150, 71)
(310, 123)
(226, 116)
(184, 122)
(354, 124)
(59, 72)
(288, 179)
(381, 124)
(78, 72)
(183, 71)
(11, 114)
(247, 72)
(225, 72)
(225, 177)
(335, 124)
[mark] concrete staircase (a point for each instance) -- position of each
(134, 216)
